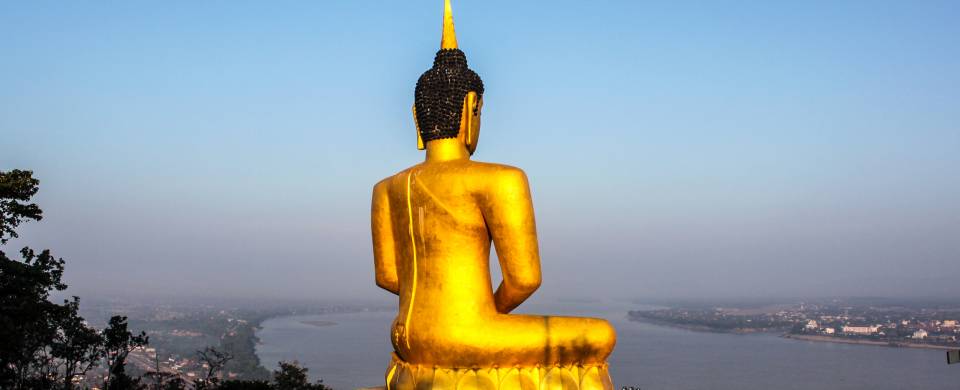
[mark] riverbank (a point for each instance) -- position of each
(840, 340)
(786, 335)
(705, 328)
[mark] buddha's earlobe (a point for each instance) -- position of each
(416, 126)
(470, 121)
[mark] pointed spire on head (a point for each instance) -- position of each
(449, 40)
(441, 90)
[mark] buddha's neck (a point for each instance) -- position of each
(446, 149)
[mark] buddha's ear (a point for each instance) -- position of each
(470, 121)
(417, 128)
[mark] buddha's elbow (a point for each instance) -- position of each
(388, 284)
(526, 286)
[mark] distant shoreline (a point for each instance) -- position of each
(704, 328)
(839, 340)
(787, 335)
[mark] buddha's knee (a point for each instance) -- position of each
(602, 337)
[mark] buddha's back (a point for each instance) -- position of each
(442, 218)
(439, 215)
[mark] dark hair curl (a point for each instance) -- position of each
(440, 92)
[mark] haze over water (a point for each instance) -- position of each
(355, 352)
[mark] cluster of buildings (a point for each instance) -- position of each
(944, 332)
(895, 324)
(143, 360)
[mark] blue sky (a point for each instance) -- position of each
(675, 149)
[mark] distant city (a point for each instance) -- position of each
(178, 332)
(874, 322)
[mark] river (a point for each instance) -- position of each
(352, 350)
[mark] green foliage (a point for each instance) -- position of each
(291, 376)
(215, 360)
(119, 342)
(78, 346)
(41, 343)
(16, 187)
(240, 343)
(27, 319)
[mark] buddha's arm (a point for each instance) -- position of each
(384, 251)
(509, 217)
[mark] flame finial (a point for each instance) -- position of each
(449, 40)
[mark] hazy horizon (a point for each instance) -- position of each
(674, 150)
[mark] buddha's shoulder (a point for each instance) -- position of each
(495, 170)
(398, 177)
(501, 173)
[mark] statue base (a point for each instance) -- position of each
(405, 376)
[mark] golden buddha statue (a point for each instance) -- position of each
(432, 226)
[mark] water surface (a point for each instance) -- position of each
(356, 350)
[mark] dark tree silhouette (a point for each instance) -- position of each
(215, 360)
(119, 342)
(16, 188)
(77, 346)
(41, 343)
(27, 317)
(294, 377)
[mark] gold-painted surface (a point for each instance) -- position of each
(449, 39)
(470, 121)
(405, 376)
(420, 145)
(432, 226)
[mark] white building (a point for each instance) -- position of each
(920, 334)
(860, 329)
(829, 331)
(812, 325)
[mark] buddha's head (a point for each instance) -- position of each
(449, 96)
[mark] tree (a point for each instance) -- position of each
(291, 376)
(17, 187)
(27, 317)
(214, 360)
(119, 342)
(77, 346)
(29, 322)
